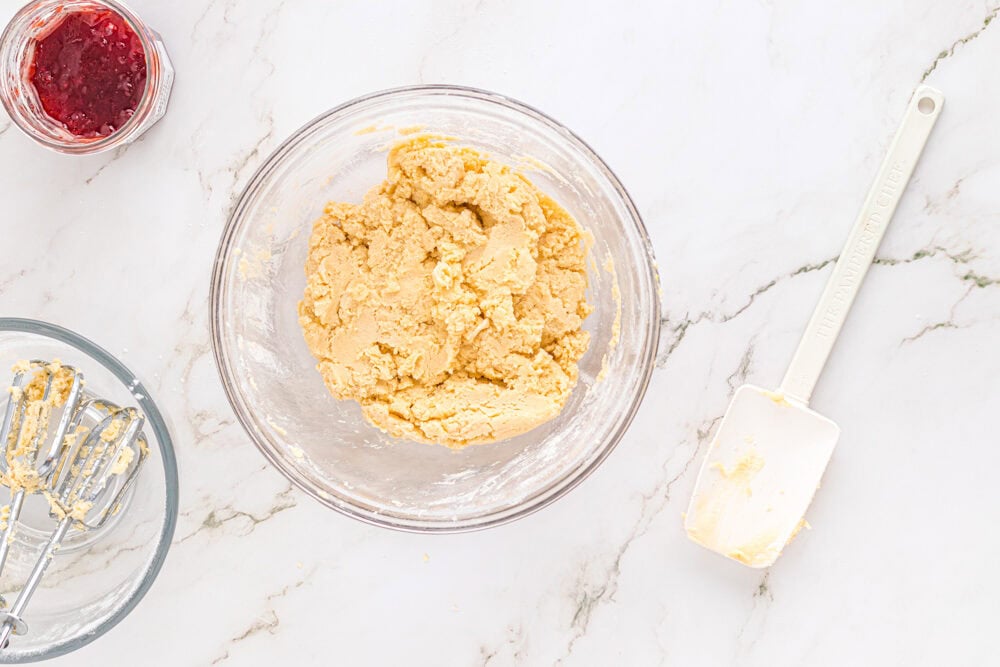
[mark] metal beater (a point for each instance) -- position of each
(90, 464)
(23, 451)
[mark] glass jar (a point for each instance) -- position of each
(20, 98)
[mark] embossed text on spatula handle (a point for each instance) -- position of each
(880, 204)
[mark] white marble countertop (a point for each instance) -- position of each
(748, 133)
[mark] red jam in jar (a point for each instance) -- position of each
(89, 72)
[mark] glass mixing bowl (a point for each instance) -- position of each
(324, 445)
(96, 578)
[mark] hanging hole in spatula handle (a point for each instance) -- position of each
(926, 105)
(879, 206)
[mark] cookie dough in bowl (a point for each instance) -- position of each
(446, 273)
(450, 302)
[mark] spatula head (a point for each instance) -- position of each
(759, 476)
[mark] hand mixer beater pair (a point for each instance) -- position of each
(83, 467)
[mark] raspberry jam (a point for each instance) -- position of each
(89, 72)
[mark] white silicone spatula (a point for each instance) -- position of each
(768, 457)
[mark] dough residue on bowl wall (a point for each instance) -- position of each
(616, 328)
(450, 302)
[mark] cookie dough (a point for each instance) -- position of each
(450, 302)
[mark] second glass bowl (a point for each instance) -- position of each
(324, 445)
(95, 580)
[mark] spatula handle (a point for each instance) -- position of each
(857, 256)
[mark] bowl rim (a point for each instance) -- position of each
(156, 422)
(217, 289)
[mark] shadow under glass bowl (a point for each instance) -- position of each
(96, 579)
(324, 445)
